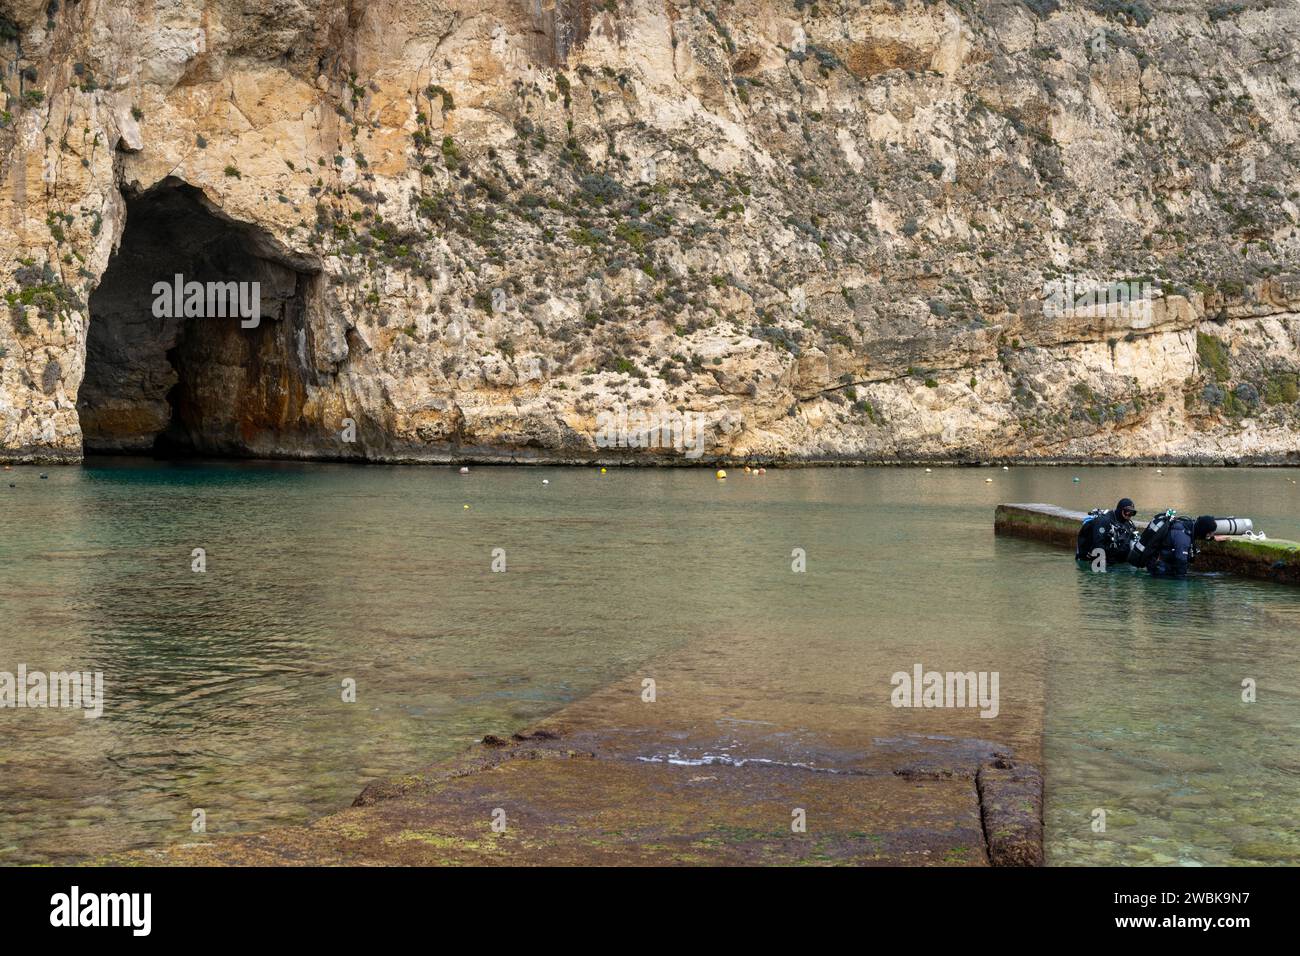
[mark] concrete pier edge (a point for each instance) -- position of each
(1265, 560)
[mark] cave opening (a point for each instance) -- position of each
(173, 375)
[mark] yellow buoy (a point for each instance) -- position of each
(467, 507)
(602, 471)
(721, 473)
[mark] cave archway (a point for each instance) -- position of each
(211, 383)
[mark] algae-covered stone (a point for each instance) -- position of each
(1266, 852)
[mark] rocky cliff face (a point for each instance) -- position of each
(508, 228)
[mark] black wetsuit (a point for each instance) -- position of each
(1176, 551)
(1109, 531)
(1167, 546)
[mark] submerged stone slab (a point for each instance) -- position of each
(555, 806)
(561, 807)
(737, 744)
(1266, 560)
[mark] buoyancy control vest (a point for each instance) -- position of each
(1104, 529)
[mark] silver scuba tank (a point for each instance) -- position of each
(1232, 526)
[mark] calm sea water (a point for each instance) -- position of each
(224, 687)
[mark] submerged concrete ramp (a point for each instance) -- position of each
(560, 807)
(1267, 560)
(730, 755)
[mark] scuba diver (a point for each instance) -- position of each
(1168, 544)
(1113, 532)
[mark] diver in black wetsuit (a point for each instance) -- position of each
(1111, 531)
(1171, 545)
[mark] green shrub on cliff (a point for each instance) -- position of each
(1281, 388)
(1224, 11)
(1134, 11)
(39, 286)
(864, 407)
(1213, 354)
(448, 103)
(450, 154)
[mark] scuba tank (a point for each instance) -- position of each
(1152, 539)
(1081, 548)
(1093, 516)
(1234, 526)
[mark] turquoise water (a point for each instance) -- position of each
(224, 688)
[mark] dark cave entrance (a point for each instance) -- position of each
(204, 384)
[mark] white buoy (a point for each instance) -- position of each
(464, 470)
(546, 481)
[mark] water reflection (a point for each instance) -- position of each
(224, 687)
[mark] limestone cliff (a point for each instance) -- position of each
(832, 230)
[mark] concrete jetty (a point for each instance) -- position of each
(1266, 560)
